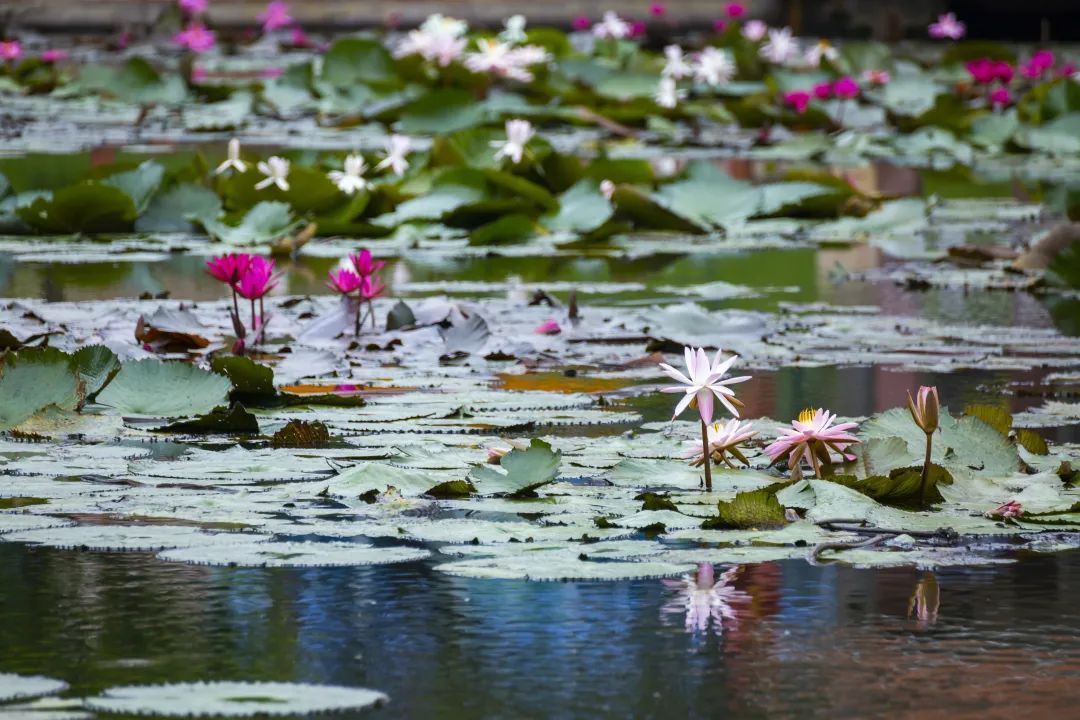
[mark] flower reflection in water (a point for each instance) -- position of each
(706, 600)
(924, 602)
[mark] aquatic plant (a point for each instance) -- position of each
(518, 134)
(813, 437)
(947, 27)
(275, 16)
(276, 169)
(925, 410)
(701, 384)
(350, 179)
(723, 440)
(705, 600)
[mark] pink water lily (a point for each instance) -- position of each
(658, 10)
(258, 279)
(196, 38)
(275, 16)
(10, 50)
(823, 90)
(1040, 62)
(947, 26)
(228, 268)
(364, 263)
(344, 281)
(53, 56)
(1000, 97)
(813, 438)
(549, 327)
(371, 288)
(846, 88)
(703, 382)
(724, 439)
(193, 7)
(1007, 510)
(798, 100)
(581, 23)
(735, 10)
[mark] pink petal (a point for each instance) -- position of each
(705, 405)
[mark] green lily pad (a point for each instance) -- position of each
(164, 389)
(32, 380)
(263, 224)
(749, 510)
(522, 471)
(89, 207)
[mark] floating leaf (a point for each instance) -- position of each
(23, 687)
(164, 389)
(294, 554)
(87, 208)
(233, 699)
(754, 509)
(234, 419)
(32, 380)
(995, 416)
(468, 337)
(139, 184)
(301, 434)
(174, 209)
(96, 365)
(523, 471)
(252, 382)
(134, 538)
(265, 223)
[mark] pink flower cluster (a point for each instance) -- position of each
(985, 71)
(196, 38)
(846, 88)
(360, 276)
(251, 277)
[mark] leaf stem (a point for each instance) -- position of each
(925, 469)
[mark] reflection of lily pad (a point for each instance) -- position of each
(233, 699)
(295, 554)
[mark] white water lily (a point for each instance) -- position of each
(611, 27)
(439, 39)
(233, 160)
(607, 189)
(676, 65)
(514, 30)
(397, 147)
(503, 60)
(724, 439)
(781, 47)
(351, 179)
(714, 67)
(706, 600)
(821, 50)
(703, 382)
(668, 94)
(276, 170)
(518, 134)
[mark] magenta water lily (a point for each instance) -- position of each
(359, 280)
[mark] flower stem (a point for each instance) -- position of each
(923, 480)
(356, 325)
(235, 302)
(706, 455)
(254, 325)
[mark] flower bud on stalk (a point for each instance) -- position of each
(925, 411)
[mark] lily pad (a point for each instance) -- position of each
(294, 554)
(233, 699)
(522, 471)
(164, 389)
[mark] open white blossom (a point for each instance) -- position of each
(233, 160)
(514, 30)
(397, 147)
(499, 58)
(668, 93)
(714, 67)
(351, 179)
(276, 170)
(821, 50)
(611, 27)
(676, 65)
(754, 30)
(440, 39)
(607, 189)
(518, 134)
(781, 47)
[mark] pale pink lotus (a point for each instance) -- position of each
(724, 439)
(813, 438)
(10, 50)
(275, 16)
(947, 26)
(1008, 510)
(703, 382)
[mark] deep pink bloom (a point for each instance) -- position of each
(299, 38)
(735, 10)
(258, 279)
(344, 281)
(10, 50)
(947, 26)
(195, 37)
(371, 288)
(1039, 63)
(275, 16)
(657, 9)
(1003, 71)
(346, 388)
(823, 90)
(123, 39)
(52, 56)
(228, 268)
(719, 25)
(1000, 97)
(581, 23)
(1066, 70)
(364, 264)
(271, 73)
(812, 438)
(549, 327)
(846, 88)
(193, 7)
(797, 99)
(981, 70)
(637, 28)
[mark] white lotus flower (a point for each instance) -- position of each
(714, 67)
(781, 47)
(276, 170)
(676, 65)
(724, 439)
(822, 50)
(514, 30)
(668, 94)
(440, 39)
(518, 134)
(703, 382)
(611, 27)
(351, 179)
(754, 30)
(233, 160)
(397, 147)
(607, 189)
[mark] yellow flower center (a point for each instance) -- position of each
(806, 415)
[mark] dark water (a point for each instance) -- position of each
(800, 641)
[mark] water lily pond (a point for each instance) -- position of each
(449, 372)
